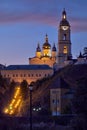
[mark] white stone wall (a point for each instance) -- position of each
(28, 75)
(44, 60)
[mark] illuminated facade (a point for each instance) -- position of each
(30, 73)
(52, 57)
(44, 56)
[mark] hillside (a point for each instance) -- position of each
(71, 74)
(74, 73)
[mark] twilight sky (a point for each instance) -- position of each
(24, 23)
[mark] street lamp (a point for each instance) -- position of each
(30, 88)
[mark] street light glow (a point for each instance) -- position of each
(15, 102)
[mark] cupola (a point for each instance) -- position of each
(38, 51)
(46, 48)
(54, 51)
(38, 48)
(54, 48)
(46, 45)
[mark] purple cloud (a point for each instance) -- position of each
(78, 24)
(38, 11)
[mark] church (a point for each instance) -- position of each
(50, 56)
(46, 55)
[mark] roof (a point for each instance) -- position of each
(71, 91)
(46, 45)
(38, 48)
(27, 67)
(59, 83)
(2, 66)
(54, 48)
(64, 23)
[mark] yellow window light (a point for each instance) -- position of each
(65, 50)
(11, 112)
(13, 101)
(10, 107)
(18, 88)
(6, 111)
(16, 93)
(19, 100)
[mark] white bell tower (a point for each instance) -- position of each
(64, 41)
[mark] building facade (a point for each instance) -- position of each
(30, 73)
(58, 100)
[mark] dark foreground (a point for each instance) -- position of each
(39, 123)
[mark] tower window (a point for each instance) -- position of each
(64, 37)
(64, 16)
(65, 50)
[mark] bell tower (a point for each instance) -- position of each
(64, 41)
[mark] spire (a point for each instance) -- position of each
(46, 45)
(38, 48)
(54, 47)
(80, 55)
(64, 14)
(46, 38)
(64, 21)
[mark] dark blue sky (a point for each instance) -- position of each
(24, 23)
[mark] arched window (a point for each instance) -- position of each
(64, 37)
(65, 50)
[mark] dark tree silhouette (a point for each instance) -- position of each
(24, 89)
(80, 105)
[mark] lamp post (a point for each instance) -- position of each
(56, 102)
(30, 88)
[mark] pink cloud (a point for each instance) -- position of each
(77, 24)
(27, 17)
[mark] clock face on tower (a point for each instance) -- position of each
(64, 27)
